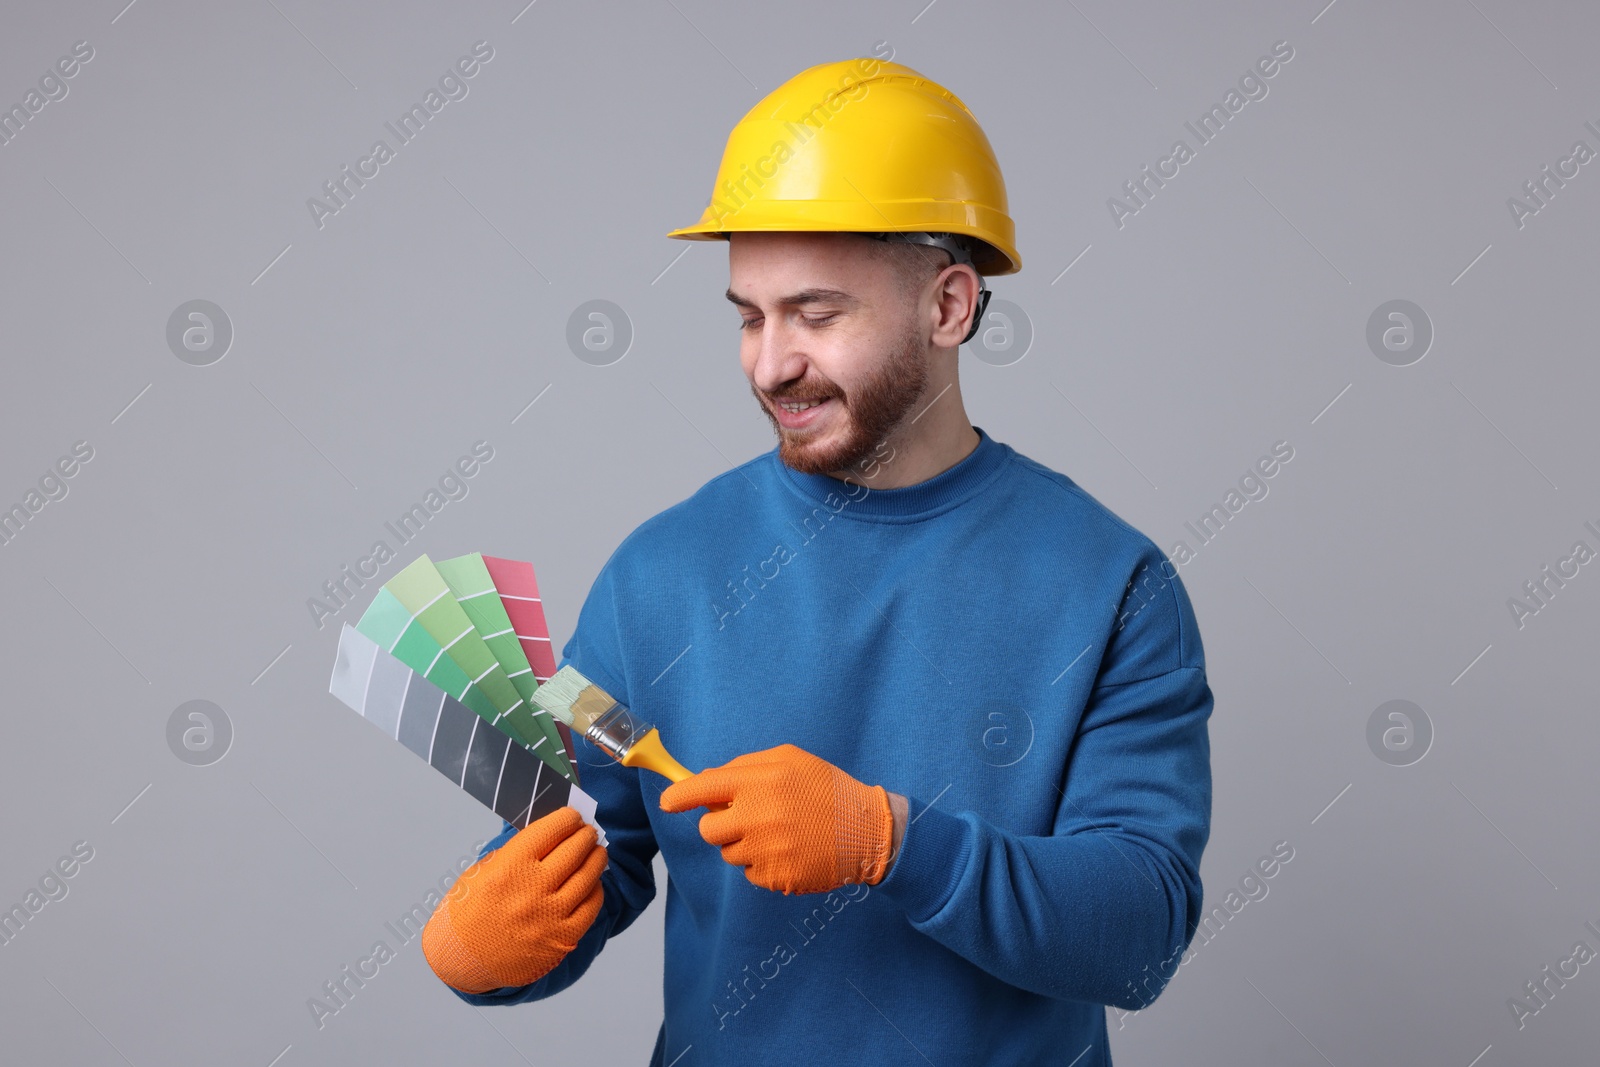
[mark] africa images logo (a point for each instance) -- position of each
(452, 86)
(1252, 86)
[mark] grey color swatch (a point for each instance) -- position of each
(447, 735)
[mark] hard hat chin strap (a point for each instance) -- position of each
(959, 254)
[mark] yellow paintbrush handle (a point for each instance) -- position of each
(648, 752)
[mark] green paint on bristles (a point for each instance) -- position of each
(560, 691)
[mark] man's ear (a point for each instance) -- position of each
(958, 305)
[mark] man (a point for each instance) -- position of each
(954, 710)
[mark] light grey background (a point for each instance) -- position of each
(1228, 314)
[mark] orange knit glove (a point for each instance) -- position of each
(794, 822)
(517, 912)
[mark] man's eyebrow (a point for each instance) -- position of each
(804, 296)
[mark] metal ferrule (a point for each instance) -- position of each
(616, 730)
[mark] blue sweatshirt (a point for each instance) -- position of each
(992, 643)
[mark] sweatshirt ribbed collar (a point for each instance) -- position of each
(909, 503)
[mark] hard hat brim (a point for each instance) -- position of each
(989, 258)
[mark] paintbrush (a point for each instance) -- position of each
(591, 711)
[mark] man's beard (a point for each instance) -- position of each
(873, 410)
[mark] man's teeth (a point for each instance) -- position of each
(795, 408)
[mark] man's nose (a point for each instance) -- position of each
(781, 356)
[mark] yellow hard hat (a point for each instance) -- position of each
(863, 146)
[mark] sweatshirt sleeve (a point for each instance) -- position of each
(1102, 908)
(629, 882)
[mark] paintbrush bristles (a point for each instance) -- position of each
(557, 693)
(573, 699)
(592, 703)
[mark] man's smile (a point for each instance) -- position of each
(798, 414)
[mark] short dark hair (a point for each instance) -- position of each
(913, 264)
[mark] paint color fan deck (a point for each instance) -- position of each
(445, 661)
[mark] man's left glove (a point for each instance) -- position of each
(794, 822)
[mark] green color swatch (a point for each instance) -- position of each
(473, 588)
(425, 595)
(390, 625)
